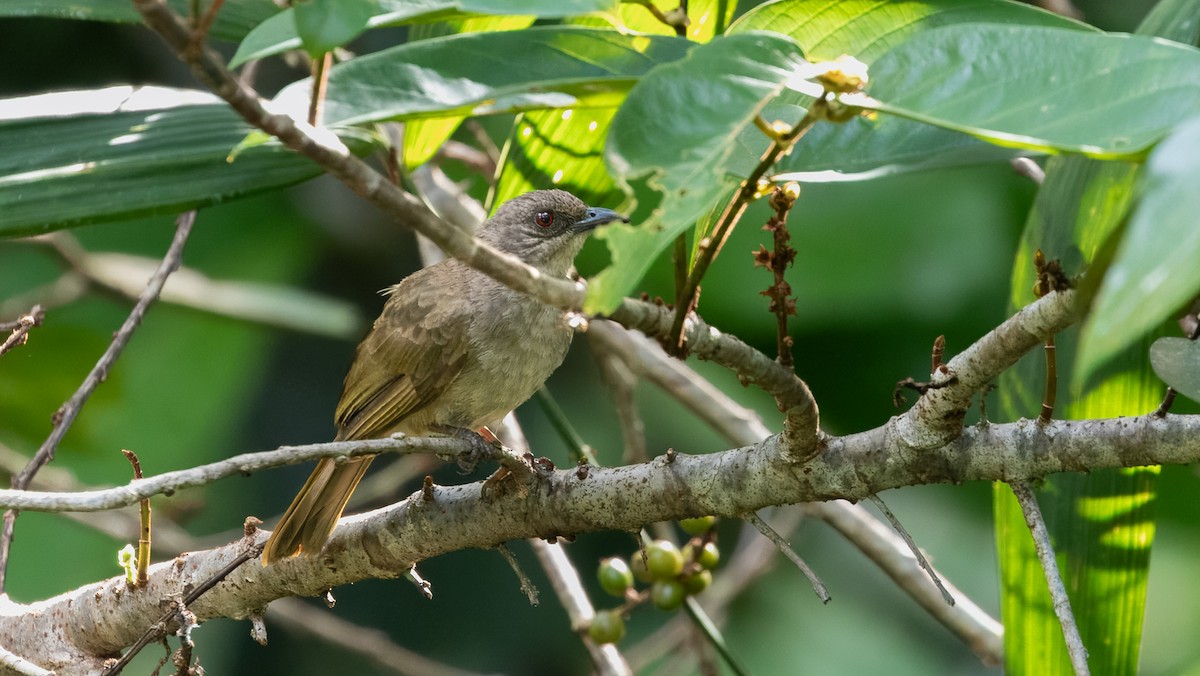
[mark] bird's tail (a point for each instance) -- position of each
(312, 516)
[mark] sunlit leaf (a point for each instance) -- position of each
(1155, 271)
(488, 73)
(278, 34)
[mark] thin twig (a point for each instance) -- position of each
(564, 579)
(621, 382)
(561, 424)
(685, 300)
(1058, 591)
(159, 628)
(714, 636)
(912, 545)
(527, 585)
(21, 328)
(1029, 169)
(201, 475)
(372, 643)
(66, 414)
(785, 547)
(778, 260)
(320, 82)
(12, 663)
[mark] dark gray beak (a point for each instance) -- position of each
(597, 216)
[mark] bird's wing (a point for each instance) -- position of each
(417, 347)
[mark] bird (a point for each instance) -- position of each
(452, 350)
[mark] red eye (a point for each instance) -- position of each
(544, 219)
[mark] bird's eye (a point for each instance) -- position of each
(544, 219)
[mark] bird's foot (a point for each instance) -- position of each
(484, 446)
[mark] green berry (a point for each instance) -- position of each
(637, 564)
(667, 594)
(708, 557)
(698, 526)
(697, 582)
(607, 627)
(663, 559)
(615, 576)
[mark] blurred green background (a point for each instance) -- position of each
(883, 268)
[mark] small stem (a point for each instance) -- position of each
(785, 547)
(1051, 391)
(710, 631)
(320, 83)
(527, 585)
(1058, 590)
(562, 425)
(143, 550)
(708, 250)
(912, 545)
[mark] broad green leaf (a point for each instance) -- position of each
(67, 171)
(1173, 20)
(565, 148)
(1177, 362)
(1103, 544)
(867, 29)
(235, 19)
(676, 131)
(325, 25)
(488, 73)
(423, 138)
(706, 18)
(1156, 270)
(1105, 96)
(278, 34)
(558, 149)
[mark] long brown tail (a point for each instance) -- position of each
(312, 516)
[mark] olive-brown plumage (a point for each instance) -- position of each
(453, 349)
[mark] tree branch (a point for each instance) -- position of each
(246, 463)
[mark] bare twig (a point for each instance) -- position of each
(1058, 591)
(564, 579)
(111, 498)
(881, 545)
(66, 414)
(372, 643)
(912, 545)
(320, 81)
(21, 328)
(527, 586)
(785, 547)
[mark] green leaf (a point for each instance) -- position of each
(235, 19)
(558, 149)
(867, 29)
(1177, 362)
(1173, 20)
(278, 34)
(1103, 523)
(325, 25)
(1105, 96)
(677, 131)
(488, 73)
(1155, 271)
(88, 168)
